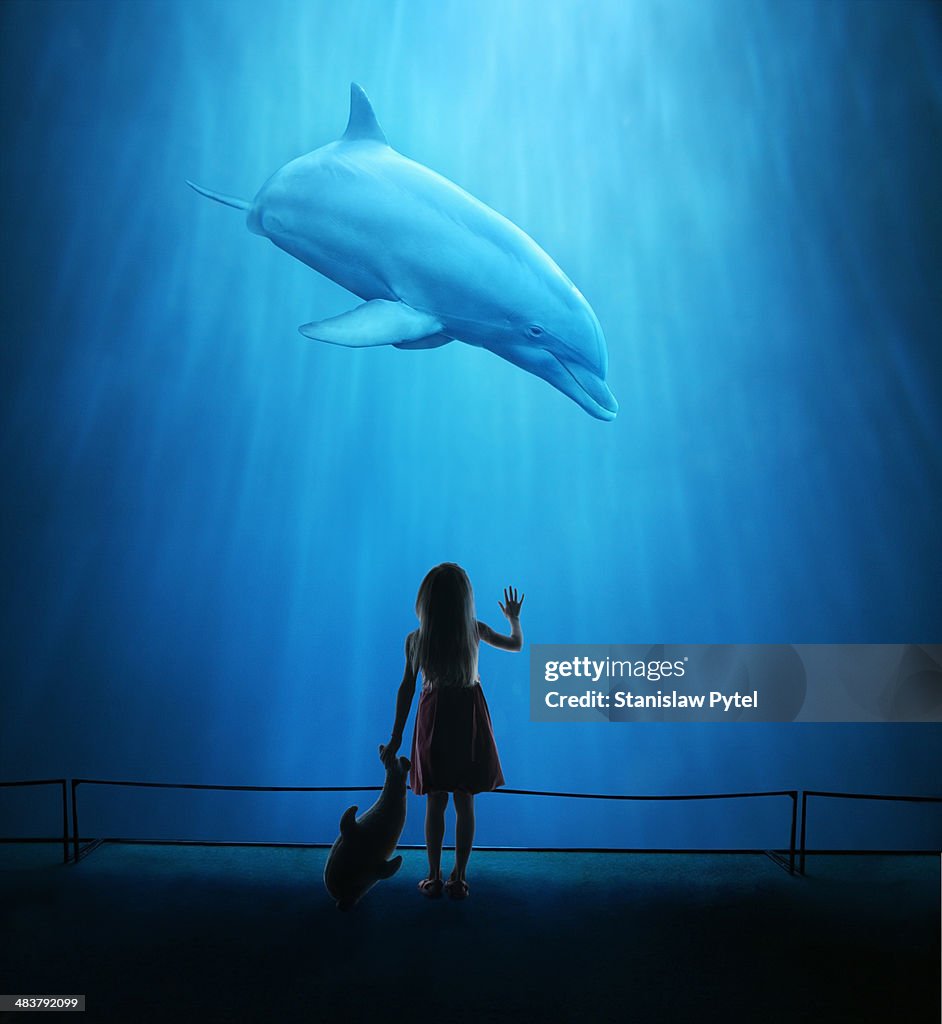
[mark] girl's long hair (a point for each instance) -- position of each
(445, 646)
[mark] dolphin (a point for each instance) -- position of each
(432, 263)
(357, 860)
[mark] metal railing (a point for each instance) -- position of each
(786, 857)
(805, 794)
(65, 813)
(790, 793)
(198, 785)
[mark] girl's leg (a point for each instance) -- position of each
(464, 833)
(435, 831)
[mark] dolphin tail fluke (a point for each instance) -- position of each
(220, 197)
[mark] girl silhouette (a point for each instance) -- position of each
(453, 748)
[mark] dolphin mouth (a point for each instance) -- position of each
(590, 391)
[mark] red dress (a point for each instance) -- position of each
(453, 745)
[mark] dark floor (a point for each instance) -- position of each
(153, 933)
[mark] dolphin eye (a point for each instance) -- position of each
(534, 330)
(272, 224)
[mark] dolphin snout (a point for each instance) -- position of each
(589, 390)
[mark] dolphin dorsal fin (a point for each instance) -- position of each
(362, 123)
(348, 821)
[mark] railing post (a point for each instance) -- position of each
(804, 824)
(65, 823)
(791, 840)
(75, 830)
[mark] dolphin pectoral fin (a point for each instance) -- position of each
(377, 322)
(388, 869)
(348, 820)
(432, 341)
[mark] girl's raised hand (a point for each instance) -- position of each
(511, 605)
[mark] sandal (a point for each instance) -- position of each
(431, 888)
(457, 888)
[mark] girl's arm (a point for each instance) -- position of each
(511, 610)
(403, 703)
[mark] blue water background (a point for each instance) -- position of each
(214, 529)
